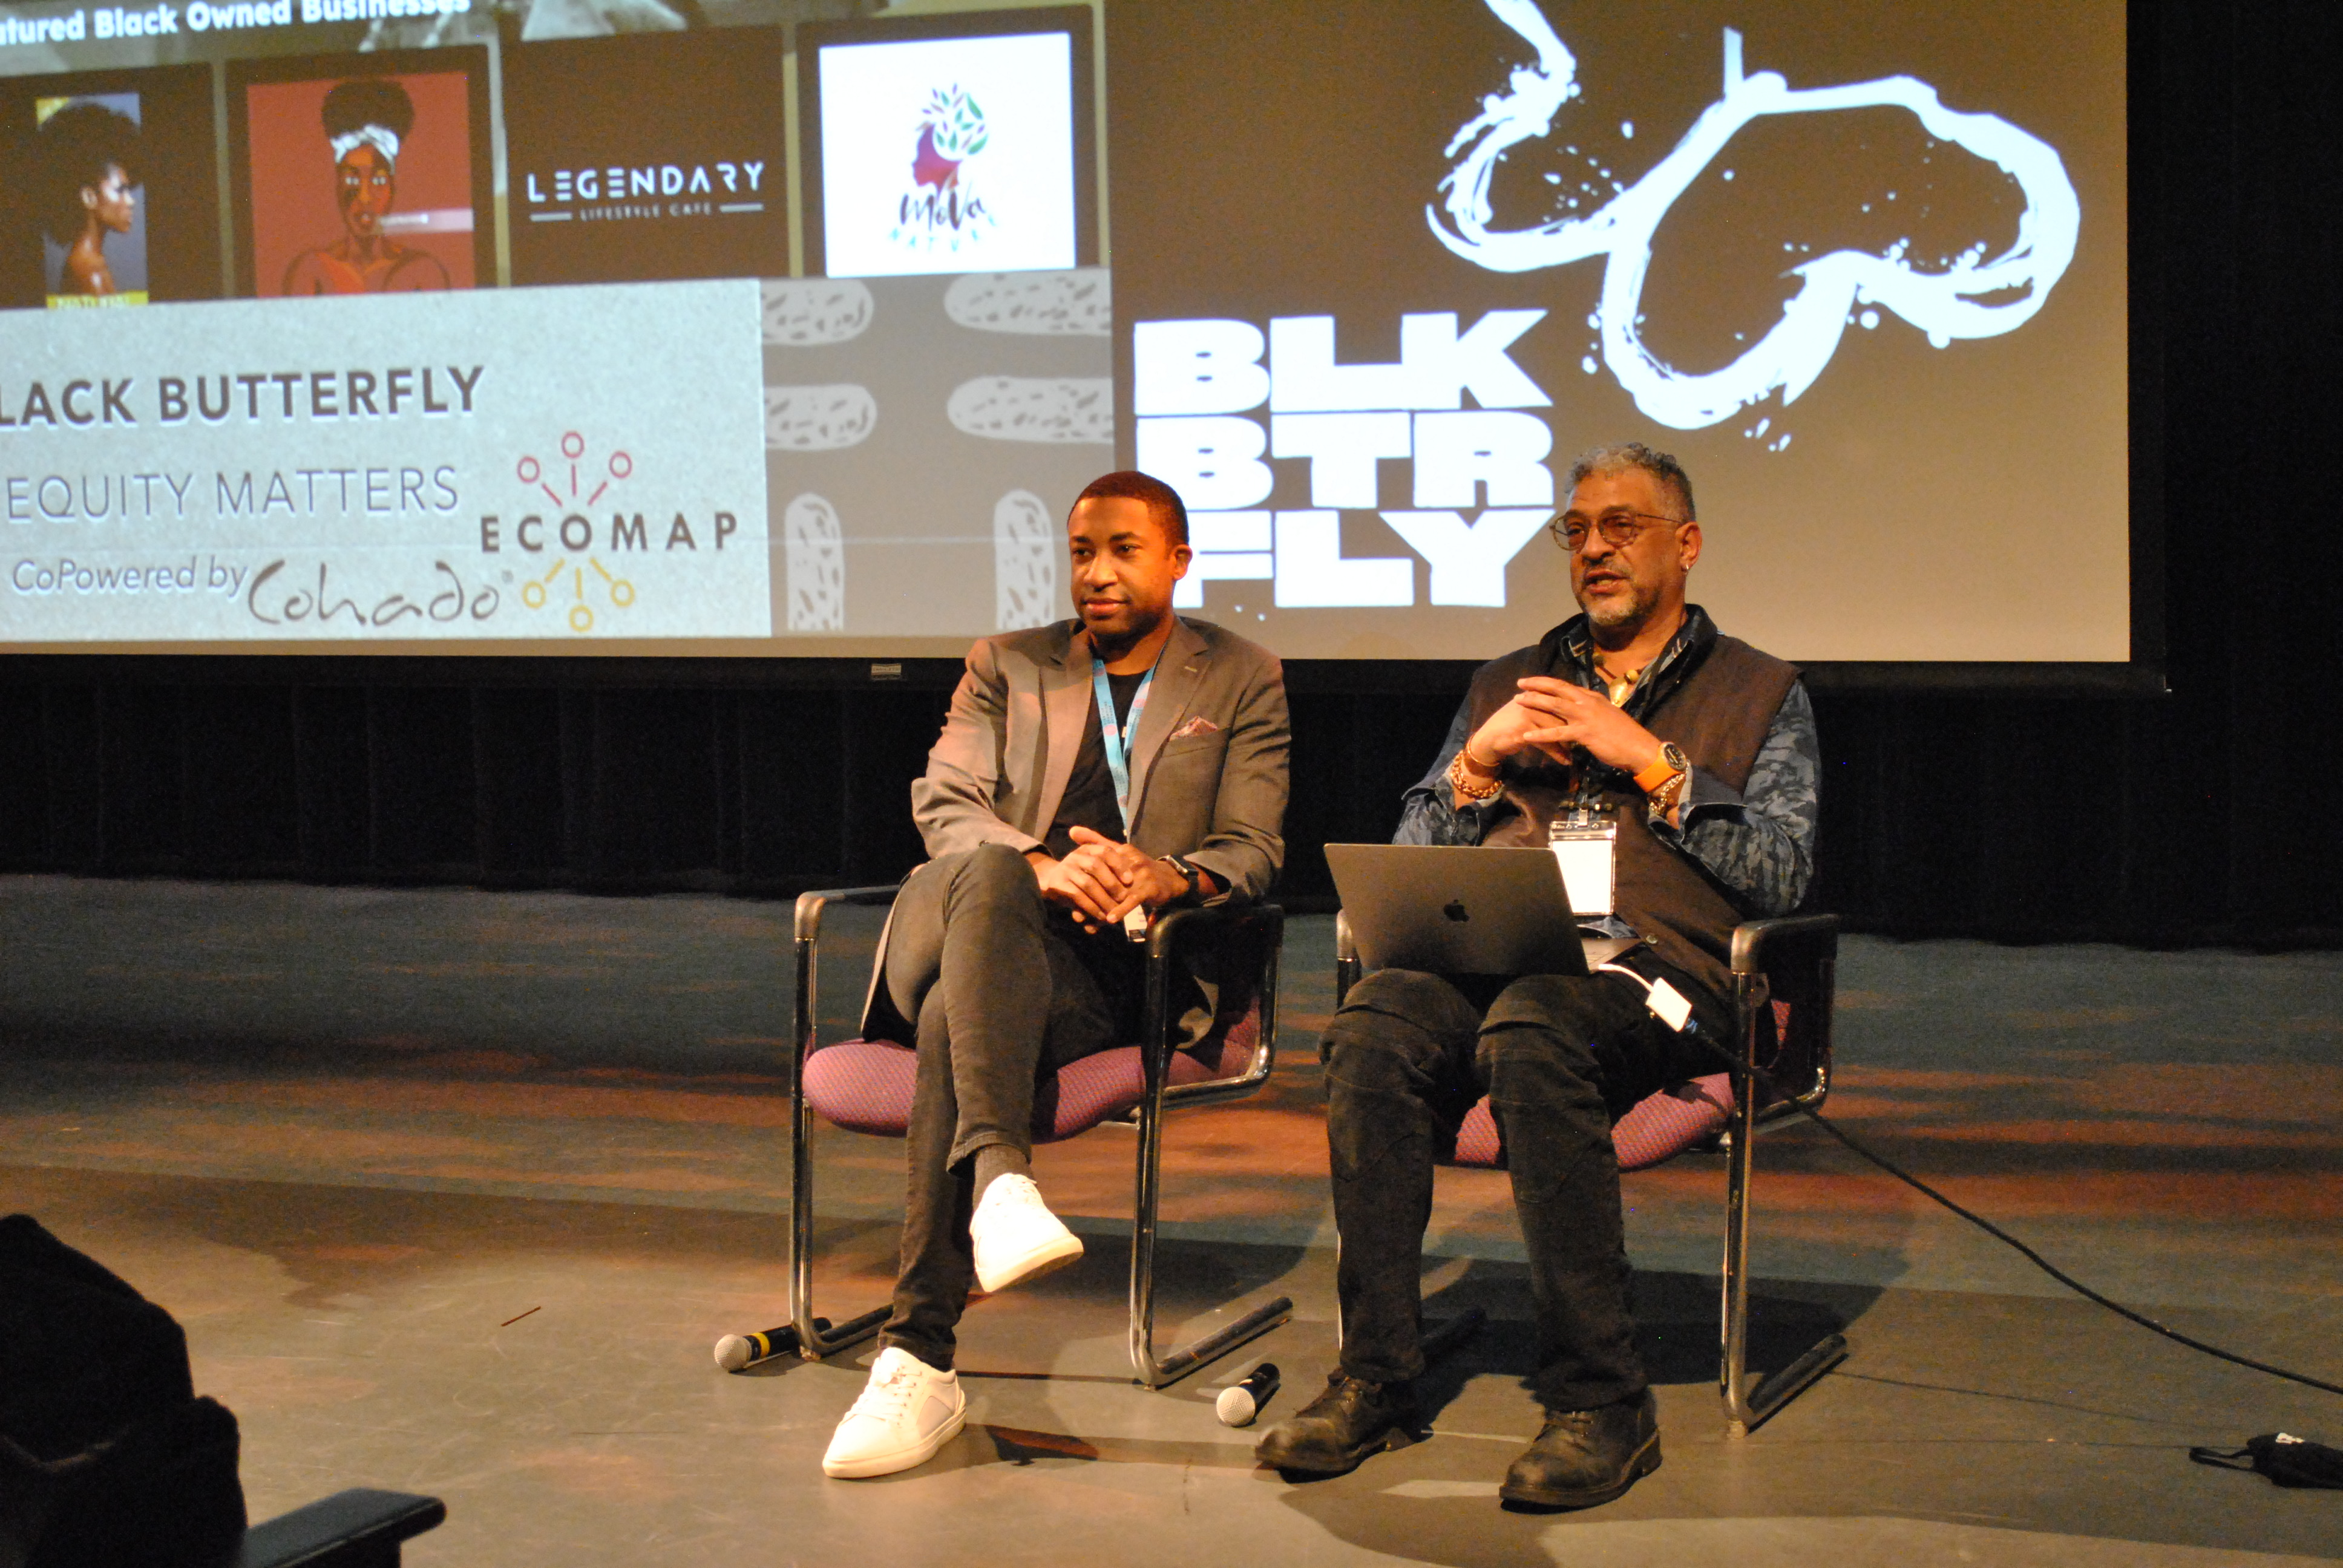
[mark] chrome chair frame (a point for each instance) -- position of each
(1793, 959)
(818, 1339)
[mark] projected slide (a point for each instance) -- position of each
(660, 155)
(458, 466)
(949, 143)
(1867, 280)
(474, 325)
(356, 175)
(89, 166)
(107, 192)
(926, 437)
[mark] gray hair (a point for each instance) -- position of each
(1661, 465)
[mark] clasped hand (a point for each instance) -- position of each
(1564, 721)
(1102, 881)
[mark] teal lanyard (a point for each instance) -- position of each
(1111, 730)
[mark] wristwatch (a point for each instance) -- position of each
(1671, 761)
(1195, 880)
(1664, 779)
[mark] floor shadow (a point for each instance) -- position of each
(1022, 1334)
(1676, 1326)
(1452, 1522)
(1018, 1445)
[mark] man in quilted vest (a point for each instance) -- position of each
(1089, 772)
(1702, 751)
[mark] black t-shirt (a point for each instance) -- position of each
(1089, 800)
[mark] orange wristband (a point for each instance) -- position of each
(1658, 771)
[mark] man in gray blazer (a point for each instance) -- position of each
(1089, 774)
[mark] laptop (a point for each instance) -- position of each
(1462, 909)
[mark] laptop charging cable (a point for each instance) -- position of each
(2288, 1460)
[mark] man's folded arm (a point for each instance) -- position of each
(1246, 845)
(952, 802)
(1428, 812)
(1760, 841)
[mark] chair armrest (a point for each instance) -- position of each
(1167, 938)
(1182, 929)
(1791, 960)
(1759, 945)
(810, 905)
(355, 1528)
(808, 939)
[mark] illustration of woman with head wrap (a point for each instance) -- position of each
(88, 162)
(366, 120)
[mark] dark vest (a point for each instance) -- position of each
(1718, 713)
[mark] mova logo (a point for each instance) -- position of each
(1194, 387)
(571, 539)
(941, 208)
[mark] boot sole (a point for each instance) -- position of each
(1397, 1437)
(1646, 1459)
(1047, 1259)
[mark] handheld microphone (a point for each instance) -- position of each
(1240, 1403)
(738, 1352)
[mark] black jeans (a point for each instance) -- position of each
(1004, 989)
(1562, 1058)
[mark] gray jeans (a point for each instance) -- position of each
(1004, 989)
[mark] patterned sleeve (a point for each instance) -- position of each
(1760, 843)
(1428, 812)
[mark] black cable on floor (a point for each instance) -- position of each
(1998, 1234)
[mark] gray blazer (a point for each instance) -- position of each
(1208, 774)
(1208, 777)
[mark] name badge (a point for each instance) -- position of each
(1584, 843)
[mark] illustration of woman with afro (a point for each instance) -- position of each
(87, 155)
(366, 120)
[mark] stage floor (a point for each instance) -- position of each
(453, 1191)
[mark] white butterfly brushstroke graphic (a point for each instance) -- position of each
(1953, 303)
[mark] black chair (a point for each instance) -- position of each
(353, 1529)
(112, 1459)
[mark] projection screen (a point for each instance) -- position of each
(1384, 270)
(374, 326)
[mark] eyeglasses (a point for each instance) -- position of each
(1619, 528)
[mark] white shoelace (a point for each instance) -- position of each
(1013, 1192)
(889, 1397)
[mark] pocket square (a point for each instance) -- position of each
(1200, 725)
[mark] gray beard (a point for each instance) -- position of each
(1628, 614)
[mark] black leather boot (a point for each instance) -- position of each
(1334, 1432)
(1587, 1456)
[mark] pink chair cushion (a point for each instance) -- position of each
(1663, 1125)
(1660, 1127)
(865, 1085)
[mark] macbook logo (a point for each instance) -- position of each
(1455, 911)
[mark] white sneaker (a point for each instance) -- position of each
(907, 1411)
(1016, 1237)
